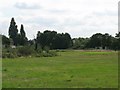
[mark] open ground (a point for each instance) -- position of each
(70, 69)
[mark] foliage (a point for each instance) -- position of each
(53, 40)
(18, 39)
(46, 48)
(47, 54)
(9, 53)
(13, 31)
(97, 41)
(5, 41)
(80, 43)
(50, 40)
(25, 51)
(22, 36)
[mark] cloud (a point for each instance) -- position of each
(4, 23)
(80, 18)
(106, 13)
(23, 5)
(74, 22)
(57, 11)
(42, 21)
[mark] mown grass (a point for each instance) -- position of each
(71, 69)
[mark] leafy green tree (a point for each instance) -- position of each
(53, 40)
(96, 41)
(115, 44)
(106, 41)
(80, 43)
(117, 41)
(68, 40)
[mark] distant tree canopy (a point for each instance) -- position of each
(101, 40)
(80, 43)
(53, 40)
(98, 40)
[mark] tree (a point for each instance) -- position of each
(106, 41)
(117, 41)
(5, 41)
(53, 40)
(96, 41)
(68, 40)
(115, 44)
(22, 32)
(37, 40)
(22, 36)
(80, 43)
(13, 31)
(118, 35)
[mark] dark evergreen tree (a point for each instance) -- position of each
(22, 32)
(13, 31)
(22, 36)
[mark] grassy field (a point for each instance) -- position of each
(71, 69)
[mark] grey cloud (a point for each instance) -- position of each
(23, 5)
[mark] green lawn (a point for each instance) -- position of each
(71, 69)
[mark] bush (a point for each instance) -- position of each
(9, 53)
(25, 51)
(46, 48)
(45, 54)
(53, 53)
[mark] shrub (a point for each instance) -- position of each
(45, 54)
(46, 48)
(25, 51)
(9, 53)
(53, 53)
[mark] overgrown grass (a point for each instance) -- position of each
(70, 69)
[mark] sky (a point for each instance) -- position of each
(79, 18)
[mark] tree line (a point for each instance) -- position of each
(53, 40)
(98, 41)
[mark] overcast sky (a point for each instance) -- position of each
(80, 18)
